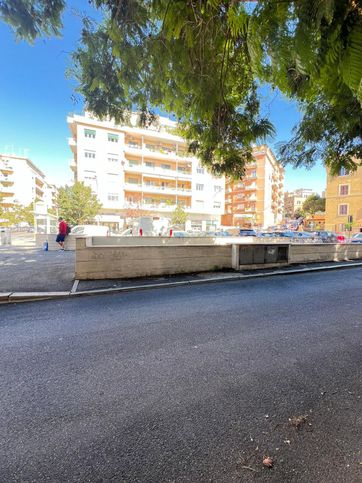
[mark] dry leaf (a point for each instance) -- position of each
(268, 461)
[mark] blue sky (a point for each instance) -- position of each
(35, 98)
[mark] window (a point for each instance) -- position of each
(113, 138)
(217, 189)
(199, 187)
(165, 166)
(343, 189)
(343, 172)
(133, 144)
(112, 197)
(200, 170)
(133, 181)
(240, 207)
(149, 164)
(343, 209)
(90, 133)
(133, 163)
(112, 158)
(217, 204)
(199, 203)
(90, 154)
(253, 174)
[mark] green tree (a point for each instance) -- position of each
(313, 204)
(15, 214)
(77, 204)
(205, 60)
(33, 18)
(179, 216)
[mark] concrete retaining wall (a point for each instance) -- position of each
(102, 262)
(52, 245)
(166, 256)
(324, 252)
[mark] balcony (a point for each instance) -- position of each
(251, 187)
(165, 190)
(6, 181)
(6, 168)
(73, 165)
(6, 191)
(133, 187)
(39, 182)
(154, 151)
(157, 171)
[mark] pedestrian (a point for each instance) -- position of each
(62, 233)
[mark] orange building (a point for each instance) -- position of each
(344, 201)
(257, 199)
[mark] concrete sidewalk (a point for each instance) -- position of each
(33, 270)
(26, 272)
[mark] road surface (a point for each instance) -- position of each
(191, 384)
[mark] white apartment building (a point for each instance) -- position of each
(136, 169)
(294, 200)
(21, 182)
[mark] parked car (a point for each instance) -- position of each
(266, 234)
(327, 236)
(357, 238)
(90, 230)
(180, 234)
(298, 236)
(243, 232)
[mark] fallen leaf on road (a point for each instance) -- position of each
(268, 461)
(298, 421)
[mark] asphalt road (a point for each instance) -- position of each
(192, 384)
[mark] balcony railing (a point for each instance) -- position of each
(159, 150)
(157, 170)
(7, 168)
(158, 189)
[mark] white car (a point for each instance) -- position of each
(90, 230)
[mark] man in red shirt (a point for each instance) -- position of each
(62, 233)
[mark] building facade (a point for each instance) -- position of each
(21, 182)
(344, 200)
(257, 199)
(294, 200)
(135, 170)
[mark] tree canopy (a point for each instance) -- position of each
(16, 214)
(77, 204)
(33, 18)
(179, 216)
(204, 61)
(313, 204)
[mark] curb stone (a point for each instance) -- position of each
(15, 297)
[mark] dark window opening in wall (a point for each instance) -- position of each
(343, 210)
(343, 189)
